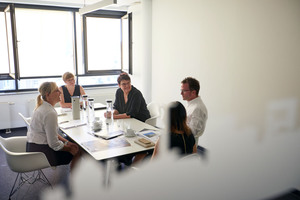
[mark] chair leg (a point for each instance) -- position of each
(30, 179)
(13, 189)
(42, 177)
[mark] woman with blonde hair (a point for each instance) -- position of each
(42, 135)
(69, 90)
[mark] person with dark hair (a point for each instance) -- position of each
(196, 110)
(181, 136)
(42, 135)
(69, 90)
(129, 101)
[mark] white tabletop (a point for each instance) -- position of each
(81, 136)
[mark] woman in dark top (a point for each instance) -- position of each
(181, 136)
(129, 101)
(69, 90)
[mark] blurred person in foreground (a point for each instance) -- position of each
(196, 110)
(69, 90)
(42, 135)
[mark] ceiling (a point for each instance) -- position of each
(121, 4)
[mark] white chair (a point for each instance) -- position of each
(154, 113)
(24, 162)
(27, 120)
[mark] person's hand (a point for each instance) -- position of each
(73, 148)
(107, 114)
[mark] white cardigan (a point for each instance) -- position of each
(43, 128)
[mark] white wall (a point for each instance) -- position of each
(142, 47)
(246, 56)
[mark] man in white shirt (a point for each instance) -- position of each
(196, 110)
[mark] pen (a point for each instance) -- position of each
(63, 122)
(93, 134)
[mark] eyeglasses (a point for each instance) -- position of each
(124, 84)
(71, 80)
(181, 91)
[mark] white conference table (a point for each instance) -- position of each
(81, 135)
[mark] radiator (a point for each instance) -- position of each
(5, 118)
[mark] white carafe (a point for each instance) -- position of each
(75, 107)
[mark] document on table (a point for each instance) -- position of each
(100, 145)
(149, 134)
(71, 124)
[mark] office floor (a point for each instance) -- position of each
(57, 176)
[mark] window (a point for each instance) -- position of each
(103, 43)
(52, 40)
(45, 43)
(6, 83)
(3, 47)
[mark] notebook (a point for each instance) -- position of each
(99, 106)
(108, 134)
(71, 124)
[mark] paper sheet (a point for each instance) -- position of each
(71, 124)
(100, 145)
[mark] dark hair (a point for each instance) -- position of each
(178, 118)
(123, 76)
(193, 84)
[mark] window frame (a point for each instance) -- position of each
(16, 73)
(99, 13)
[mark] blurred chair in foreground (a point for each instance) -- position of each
(23, 162)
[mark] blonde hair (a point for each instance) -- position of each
(67, 76)
(44, 89)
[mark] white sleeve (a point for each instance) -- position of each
(51, 129)
(197, 121)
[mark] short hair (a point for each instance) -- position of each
(193, 84)
(67, 76)
(123, 76)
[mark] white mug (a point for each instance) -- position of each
(129, 133)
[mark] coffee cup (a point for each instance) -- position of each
(130, 133)
(97, 125)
